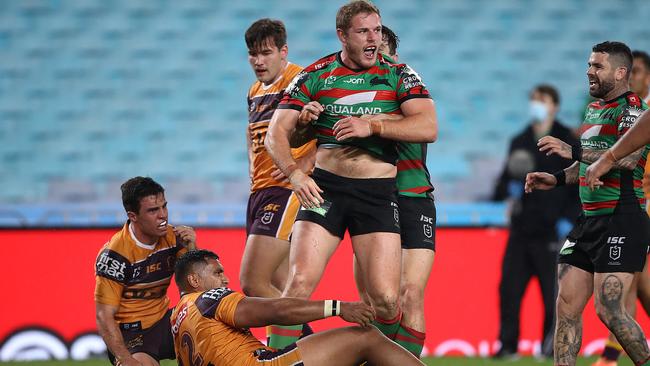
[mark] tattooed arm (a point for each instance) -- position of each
(572, 173)
(629, 162)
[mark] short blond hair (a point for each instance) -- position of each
(348, 11)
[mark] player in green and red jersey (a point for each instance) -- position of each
(417, 217)
(608, 245)
(356, 159)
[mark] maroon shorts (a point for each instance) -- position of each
(156, 341)
(271, 212)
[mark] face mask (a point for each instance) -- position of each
(538, 111)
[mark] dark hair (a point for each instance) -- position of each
(617, 51)
(391, 38)
(137, 188)
(348, 11)
(260, 31)
(186, 262)
(549, 90)
(645, 58)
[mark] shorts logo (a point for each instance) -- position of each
(567, 248)
(615, 252)
(396, 215)
(267, 218)
(428, 230)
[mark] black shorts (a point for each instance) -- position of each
(271, 212)
(361, 206)
(156, 341)
(608, 243)
(417, 217)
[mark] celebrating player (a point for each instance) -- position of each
(272, 206)
(353, 186)
(210, 325)
(133, 271)
(610, 240)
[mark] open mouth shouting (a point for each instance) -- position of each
(370, 52)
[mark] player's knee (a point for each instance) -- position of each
(610, 314)
(386, 305)
(566, 305)
(300, 284)
(411, 298)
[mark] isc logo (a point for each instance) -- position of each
(616, 239)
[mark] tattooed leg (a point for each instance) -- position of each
(576, 287)
(610, 307)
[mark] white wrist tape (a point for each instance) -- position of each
(331, 308)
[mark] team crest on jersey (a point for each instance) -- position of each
(267, 218)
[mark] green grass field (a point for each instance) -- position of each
(443, 361)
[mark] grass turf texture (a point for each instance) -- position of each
(443, 361)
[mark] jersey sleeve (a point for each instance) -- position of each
(298, 93)
(111, 273)
(219, 304)
(108, 291)
(410, 84)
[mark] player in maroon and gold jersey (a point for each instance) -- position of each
(272, 205)
(211, 325)
(133, 271)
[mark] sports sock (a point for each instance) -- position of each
(388, 326)
(283, 335)
(410, 339)
(612, 351)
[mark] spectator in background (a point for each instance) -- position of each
(532, 248)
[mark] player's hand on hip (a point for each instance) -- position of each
(307, 191)
(357, 312)
(350, 127)
(595, 171)
(187, 235)
(539, 181)
(309, 113)
(552, 145)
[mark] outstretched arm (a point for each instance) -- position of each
(552, 145)
(257, 312)
(545, 181)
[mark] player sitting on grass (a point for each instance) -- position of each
(210, 324)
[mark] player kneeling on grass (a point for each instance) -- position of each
(210, 325)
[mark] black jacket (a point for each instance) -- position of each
(537, 213)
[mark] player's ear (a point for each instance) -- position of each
(193, 280)
(133, 217)
(342, 36)
(620, 73)
(284, 51)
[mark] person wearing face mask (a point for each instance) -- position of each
(531, 249)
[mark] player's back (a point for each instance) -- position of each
(262, 102)
(203, 328)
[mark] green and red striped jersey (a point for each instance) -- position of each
(345, 92)
(413, 178)
(605, 122)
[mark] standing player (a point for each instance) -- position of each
(133, 271)
(609, 242)
(417, 217)
(353, 187)
(272, 206)
(211, 325)
(640, 85)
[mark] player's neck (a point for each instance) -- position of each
(141, 239)
(616, 92)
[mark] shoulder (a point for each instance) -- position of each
(208, 301)
(321, 64)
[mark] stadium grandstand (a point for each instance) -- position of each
(94, 92)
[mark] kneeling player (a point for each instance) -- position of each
(210, 325)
